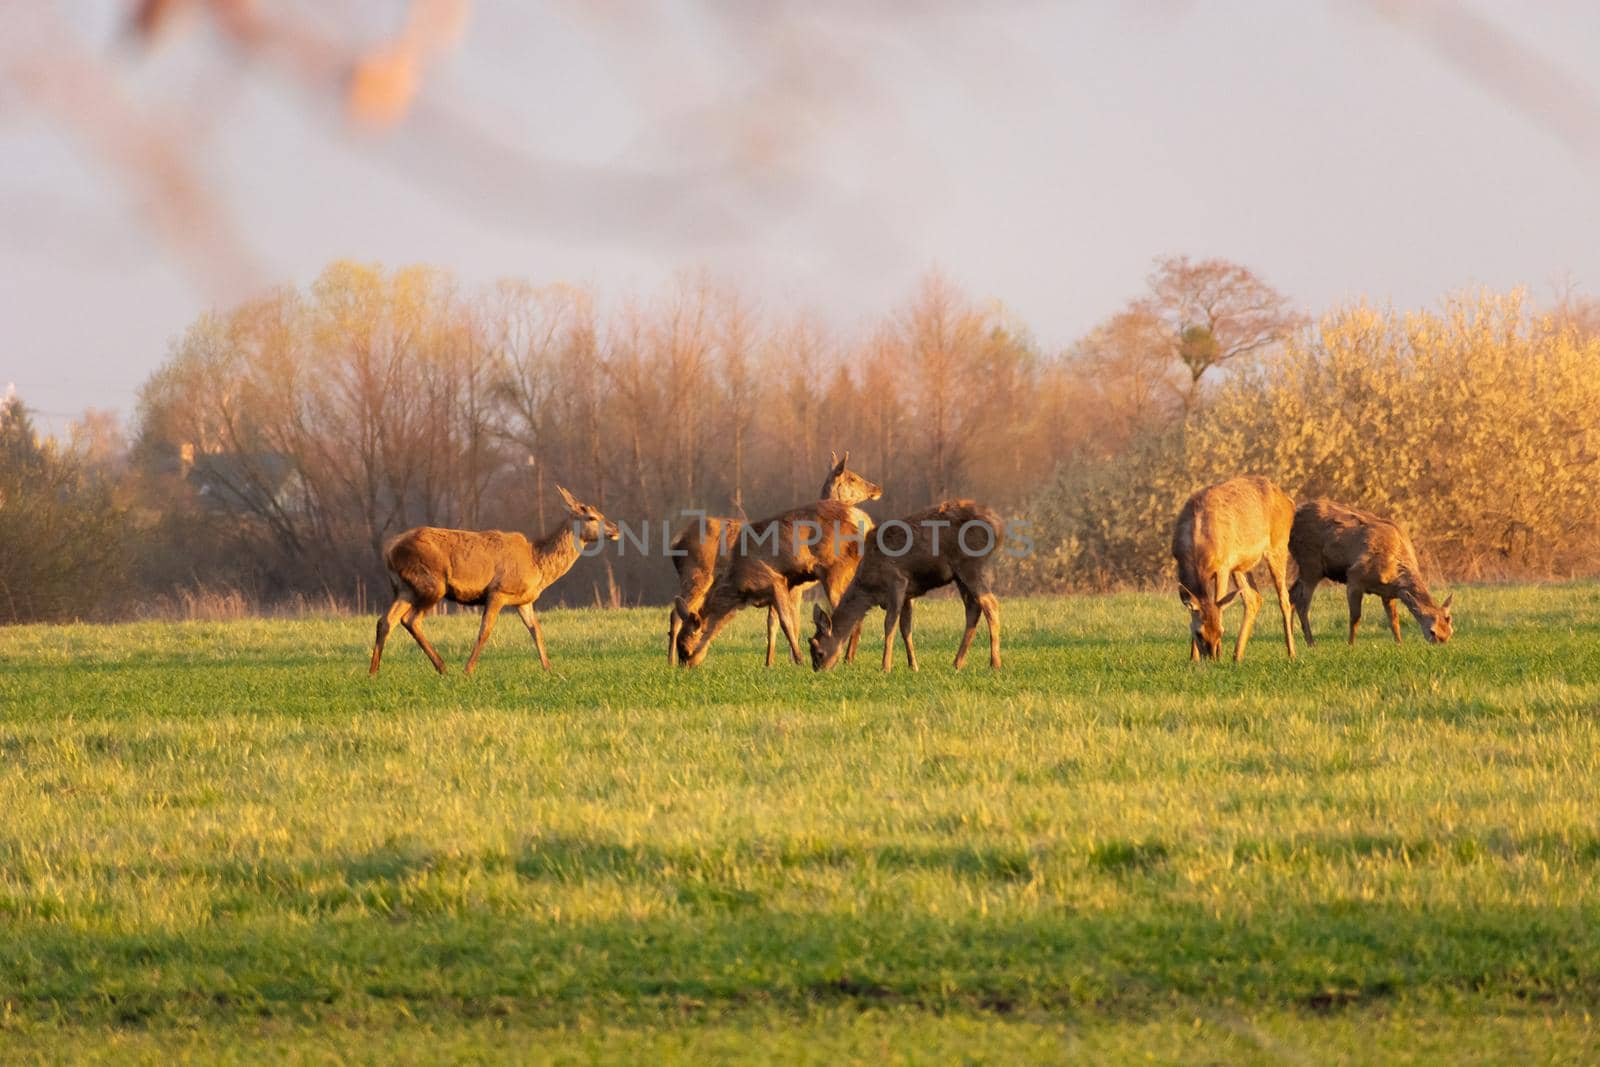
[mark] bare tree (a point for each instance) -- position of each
(1214, 313)
(881, 364)
(801, 361)
(940, 335)
(1127, 361)
(736, 345)
(541, 332)
(681, 337)
(1001, 389)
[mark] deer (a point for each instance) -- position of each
(771, 559)
(1371, 555)
(701, 546)
(489, 567)
(950, 542)
(1227, 530)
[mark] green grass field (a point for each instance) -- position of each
(223, 841)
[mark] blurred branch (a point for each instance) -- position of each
(53, 70)
(1503, 67)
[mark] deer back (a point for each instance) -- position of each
(1227, 527)
(699, 549)
(1343, 543)
(466, 563)
(804, 542)
(927, 547)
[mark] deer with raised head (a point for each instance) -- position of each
(1370, 555)
(1224, 532)
(701, 547)
(905, 558)
(490, 567)
(769, 561)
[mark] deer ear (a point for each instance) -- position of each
(844, 459)
(1225, 601)
(568, 499)
(821, 618)
(1447, 600)
(1190, 601)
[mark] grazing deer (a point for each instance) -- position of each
(820, 542)
(1224, 531)
(490, 567)
(904, 559)
(1368, 554)
(701, 546)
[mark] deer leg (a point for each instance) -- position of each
(850, 648)
(491, 613)
(1252, 606)
(788, 618)
(1393, 609)
(531, 621)
(386, 621)
(990, 604)
(772, 630)
(833, 586)
(1300, 597)
(413, 624)
(974, 610)
(1278, 567)
(796, 599)
(674, 631)
(1352, 593)
(891, 618)
(905, 633)
(975, 580)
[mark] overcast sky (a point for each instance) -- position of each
(1040, 153)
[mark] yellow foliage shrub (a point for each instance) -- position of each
(1477, 427)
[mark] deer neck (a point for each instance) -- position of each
(1412, 593)
(851, 610)
(557, 551)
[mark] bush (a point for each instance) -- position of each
(62, 540)
(1474, 426)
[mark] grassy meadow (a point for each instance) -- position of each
(224, 842)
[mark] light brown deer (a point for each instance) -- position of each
(905, 558)
(1227, 530)
(820, 542)
(488, 567)
(702, 546)
(1370, 555)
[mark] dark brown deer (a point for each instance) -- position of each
(702, 546)
(488, 567)
(905, 558)
(820, 542)
(1370, 555)
(1225, 531)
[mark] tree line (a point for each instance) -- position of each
(282, 442)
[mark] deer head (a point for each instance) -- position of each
(846, 486)
(1205, 620)
(1439, 626)
(825, 644)
(588, 522)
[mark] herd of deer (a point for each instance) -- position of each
(1226, 530)
(1223, 533)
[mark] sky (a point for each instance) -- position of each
(820, 156)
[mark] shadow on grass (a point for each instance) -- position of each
(378, 927)
(1115, 964)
